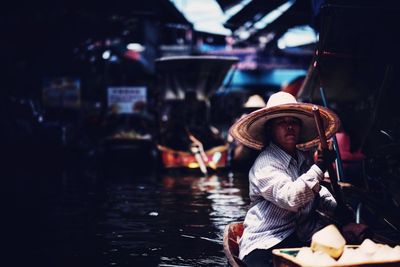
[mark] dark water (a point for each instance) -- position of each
(173, 221)
(71, 216)
(77, 209)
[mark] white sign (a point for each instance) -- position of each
(126, 99)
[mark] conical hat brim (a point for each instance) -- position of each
(250, 130)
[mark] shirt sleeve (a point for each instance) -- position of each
(313, 177)
(276, 186)
(327, 202)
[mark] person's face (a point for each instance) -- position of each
(285, 132)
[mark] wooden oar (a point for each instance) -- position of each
(324, 145)
(339, 164)
(196, 148)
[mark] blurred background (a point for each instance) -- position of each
(115, 116)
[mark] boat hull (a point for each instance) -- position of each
(217, 158)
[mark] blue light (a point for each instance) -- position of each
(275, 77)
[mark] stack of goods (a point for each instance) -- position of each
(328, 248)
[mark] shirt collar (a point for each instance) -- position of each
(286, 158)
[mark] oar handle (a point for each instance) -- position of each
(320, 127)
(324, 145)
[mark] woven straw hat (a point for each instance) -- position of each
(251, 131)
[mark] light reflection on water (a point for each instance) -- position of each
(172, 221)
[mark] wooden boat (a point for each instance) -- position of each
(187, 139)
(215, 157)
(232, 234)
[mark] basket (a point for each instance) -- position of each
(285, 257)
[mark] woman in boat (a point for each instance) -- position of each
(285, 187)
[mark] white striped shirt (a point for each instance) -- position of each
(283, 192)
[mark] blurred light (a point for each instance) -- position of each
(216, 157)
(273, 15)
(243, 34)
(135, 47)
(264, 39)
(206, 15)
(247, 24)
(106, 54)
(297, 36)
(235, 9)
(263, 22)
(281, 44)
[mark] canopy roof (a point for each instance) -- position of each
(357, 65)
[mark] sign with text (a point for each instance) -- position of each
(62, 92)
(126, 99)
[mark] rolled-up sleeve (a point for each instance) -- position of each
(327, 202)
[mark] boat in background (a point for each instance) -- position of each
(216, 158)
(186, 137)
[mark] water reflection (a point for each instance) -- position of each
(68, 219)
(173, 221)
